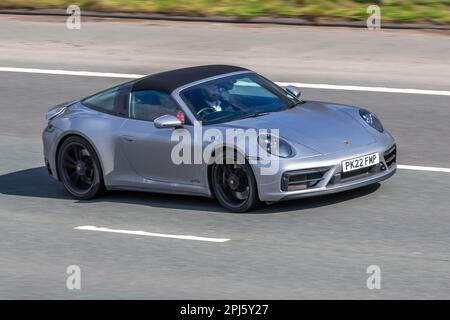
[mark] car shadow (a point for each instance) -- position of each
(35, 182)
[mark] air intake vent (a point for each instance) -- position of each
(302, 179)
(390, 156)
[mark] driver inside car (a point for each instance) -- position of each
(213, 97)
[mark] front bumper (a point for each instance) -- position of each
(323, 174)
(50, 136)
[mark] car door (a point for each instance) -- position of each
(148, 149)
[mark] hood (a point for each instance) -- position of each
(322, 127)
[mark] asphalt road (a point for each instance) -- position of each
(312, 248)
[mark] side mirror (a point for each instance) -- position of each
(294, 91)
(167, 121)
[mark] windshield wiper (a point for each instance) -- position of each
(296, 104)
(254, 115)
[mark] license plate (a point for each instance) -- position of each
(360, 162)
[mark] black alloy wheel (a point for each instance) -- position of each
(234, 186)
(79, 168)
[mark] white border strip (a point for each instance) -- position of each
(298, 84)
(420, 168)
(151, 234)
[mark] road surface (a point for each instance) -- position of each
(306, 249)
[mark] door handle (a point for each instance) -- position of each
(128, 138)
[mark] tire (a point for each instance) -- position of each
(79, 169)
(234, 186)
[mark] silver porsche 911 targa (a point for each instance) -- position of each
(135, 137)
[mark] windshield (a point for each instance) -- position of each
(236, 97)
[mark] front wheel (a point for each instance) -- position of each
(234, 186)
(79, 169)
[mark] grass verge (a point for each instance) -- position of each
(418, 11)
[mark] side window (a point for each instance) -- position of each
(103, 101)
(150, 104)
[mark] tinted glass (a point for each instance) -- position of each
(104, 100)
(149, 105)
(235, 97)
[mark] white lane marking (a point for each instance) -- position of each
(151, 234)
(420, 168)
(369, 89)
(72, 73)
(298, 84)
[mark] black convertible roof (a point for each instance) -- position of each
(170, 80)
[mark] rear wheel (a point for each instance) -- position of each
(234, 186)
(79, 168)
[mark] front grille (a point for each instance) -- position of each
(356, 174)
(342, 177)
(302, 179)
(390, 156)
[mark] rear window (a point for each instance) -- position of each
(103, 100)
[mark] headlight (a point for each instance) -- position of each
(371, 120)
(275, 146)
